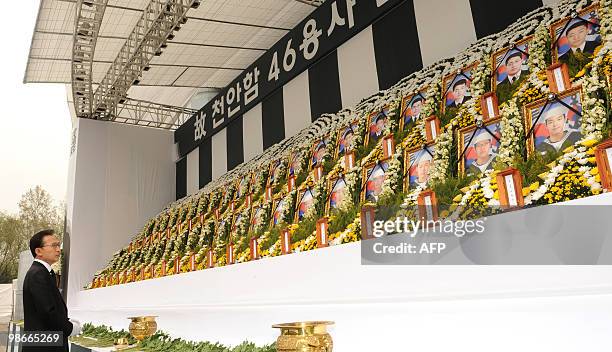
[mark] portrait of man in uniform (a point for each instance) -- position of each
(411, 109)
(374, 177)
(457, 88)
(420, 163)
(555, 125)
(576, 39)
(478, 147)
(560, 136)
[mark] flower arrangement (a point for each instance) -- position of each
(512, 142)
(572, 175)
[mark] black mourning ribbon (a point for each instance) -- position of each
(472, 137)
(407, 171)
(451, 82)
(341, 177)
(412, 98)
(556, 98)
(567, 24)
(514, 47)
(378, 163)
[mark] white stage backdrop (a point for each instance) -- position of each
(120, 176)
(376, 308)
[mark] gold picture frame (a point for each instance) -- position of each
(471, 130)
(447, 82)
(375, 114)
(331, 184)
(407, 102)
(365, 176)
(538, 104)
(408, 153)
(561, 24)
(354, 126)
(502, 53)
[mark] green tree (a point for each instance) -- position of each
(11, 243)
(37, 211)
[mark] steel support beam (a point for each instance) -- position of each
(158, 21)
(145, 113)
(89, 14)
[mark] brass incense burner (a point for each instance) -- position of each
(143, 327)
(307, 336)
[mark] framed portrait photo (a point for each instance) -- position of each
(478, 147)
(377, 124)
(346, 139)
(576, 38)
(274, 172)
(256, 214)
(552, 125)
(279, 207)
(221, 227)
(373, 177)
(510, 69)
(411, 108)
(295, 163)
(456, 88)
(337, 193)
(236, 218)
(418, 163)
(306, 198)
(320, 148)
(243, 186)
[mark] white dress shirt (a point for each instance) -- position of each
(45, 264)
(512, 79)
(580, 47)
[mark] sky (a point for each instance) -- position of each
(35, 124)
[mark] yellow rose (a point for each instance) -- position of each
(525, 191)
(568, 149)
(589, 142)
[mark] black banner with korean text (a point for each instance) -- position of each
(325, 29)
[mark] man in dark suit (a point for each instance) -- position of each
(576, 35)
(460, 93)
(516, 75)
(43, 306)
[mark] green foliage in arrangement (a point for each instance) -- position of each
(449, 188)
(103, 336)
(342, 218)
(534, 165)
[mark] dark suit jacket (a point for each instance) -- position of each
(589, 48)
(43, 307)
(506, 81)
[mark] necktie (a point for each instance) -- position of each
(53, 276)
(578, 50)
